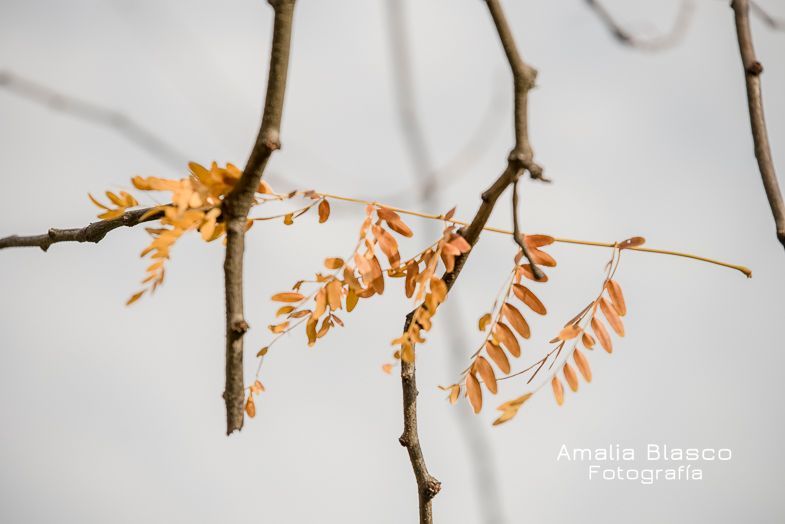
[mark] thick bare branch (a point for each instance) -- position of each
(752, 71)
(669, 39)
(94, 232)
(239, 202)
(117, 121)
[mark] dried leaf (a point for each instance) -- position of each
(394, 221)
(278, 328)
(486, 373)
(498, 356)
(284, 310)
(510, 408)
(631, 242)
(250, 407)
(262, 352)
(134, 298)
(617, 297)
(505, 335)
(526, 271)
(455, 392)
(602, 334)
(324, 211)
(536, 241)
(582, 364)
(351, 300)
(334, 294)
(570, 376)
(333, 263)
(310, 330)
(588, 340)
(288, 296)
(525, 295)
(257, 387)
(474, 392)
(516, 320)
(484, 321)
(558, 390)
(569, 332)
(613, 317)
(387, 368)
(288, 219)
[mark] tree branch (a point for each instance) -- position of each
(626, 38)
(426, 189)
(94, 232)
(752, 70)
(519, 160)
(238, 203)
(518, 237)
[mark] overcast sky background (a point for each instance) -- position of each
(114, 414)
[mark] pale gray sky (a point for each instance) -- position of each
(114, 414)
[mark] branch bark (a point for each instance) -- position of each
(237, 204)
(94, 232)
(427, 190)
(752, 71)
(520, 160)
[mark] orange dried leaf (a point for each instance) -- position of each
(498, 356)
(250, 407)
(474, 392)
(582, 364)
(455, 392)
(324, 211)
(525, 295)
(602, 334)
(613, 317)
(587, 340)
(516, 320)
(486, 373)
(505, 335)
(387, 368)
(558, 390)
(257, 387)
(134, 298)
(288, 296)
(570, 376)
(333, 263)
(617, 297)
(526, 271)
(569, 332)
(351, 300)
(484, 321)
(631, 242)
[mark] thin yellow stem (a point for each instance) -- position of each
(747, 272)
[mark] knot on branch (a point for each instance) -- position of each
(755, 68)
(271, 140)
(240, 326)
(432, 487)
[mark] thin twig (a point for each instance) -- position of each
(518, 237)
(665, 41)
(97, 114)
(760, 136)
(238, 203)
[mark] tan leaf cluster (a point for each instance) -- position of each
(122, 202)
(505, 327)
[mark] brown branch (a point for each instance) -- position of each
(124, 125)
(519, 160)
(626, 38)
(426, 190)
(518, 237)
(238, 203)
(94, 232)
(752, 70)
